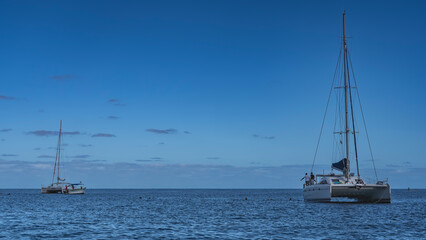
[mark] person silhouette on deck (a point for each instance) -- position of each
(307, 179)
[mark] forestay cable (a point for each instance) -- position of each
(326, 108)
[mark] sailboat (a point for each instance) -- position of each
(345, 186)
(58, 184)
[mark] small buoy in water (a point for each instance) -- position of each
(8, 194)
(290, 199)
(246, 198)
(140, 197)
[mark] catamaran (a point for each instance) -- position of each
(346, 186)
(60, 186)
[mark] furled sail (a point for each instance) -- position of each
(340, 165)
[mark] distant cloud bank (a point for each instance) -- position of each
(153, 159)
(9, 155)
(46, 156)
(152, 173)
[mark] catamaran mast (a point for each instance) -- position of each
(59, 147)
(58, 156)
(347, 130)
(58, 153)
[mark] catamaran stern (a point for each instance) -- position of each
(363, 193)
(373, 193)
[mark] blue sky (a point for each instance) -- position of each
(214, 94)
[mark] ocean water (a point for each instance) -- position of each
(206, 214)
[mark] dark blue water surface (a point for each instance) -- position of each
(206, 214)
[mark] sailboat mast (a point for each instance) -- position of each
(347, 130)
(58, 155)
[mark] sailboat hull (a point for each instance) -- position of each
(51, 189)
(74, 191)
(369, 193)
(318, 193)
(365, 193)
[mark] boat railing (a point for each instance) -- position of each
(383, 182)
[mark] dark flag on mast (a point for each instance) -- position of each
(340, 165)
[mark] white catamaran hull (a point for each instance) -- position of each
(75, 191)
(319, 192)
(373, 193)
